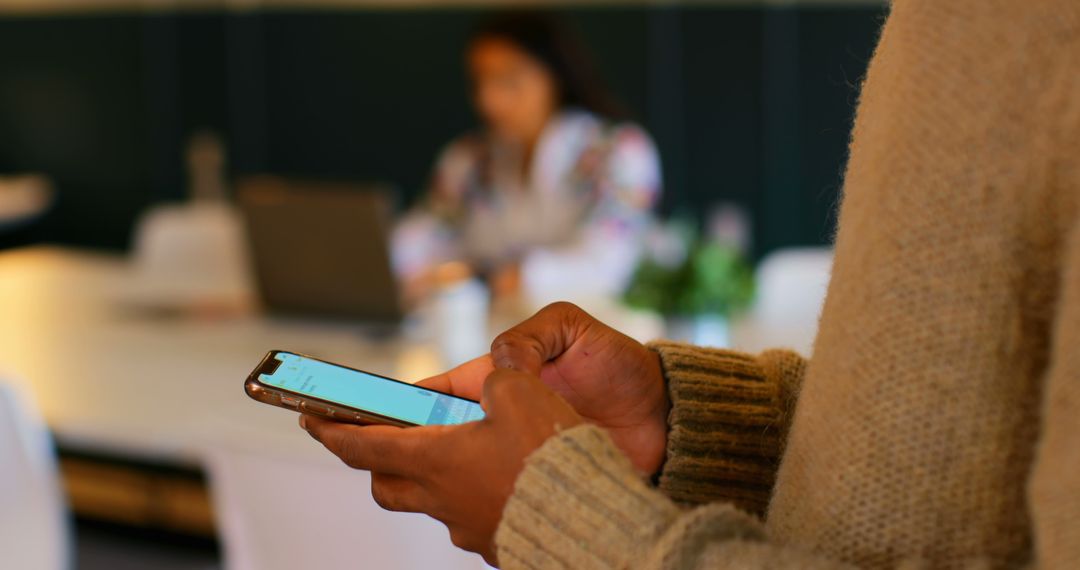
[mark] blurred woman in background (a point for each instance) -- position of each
(551, 193)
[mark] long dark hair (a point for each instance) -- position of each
(555, 45)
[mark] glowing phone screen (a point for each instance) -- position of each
(371, 393)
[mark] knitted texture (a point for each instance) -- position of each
(616, 520)
(611, 523)
(936, 426)
(917, 422)
(728, 418)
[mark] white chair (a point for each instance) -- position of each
(34, 528)
(791, 286)
(284, 513)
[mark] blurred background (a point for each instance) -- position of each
(133, 294)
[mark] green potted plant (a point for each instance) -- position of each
(697, 283)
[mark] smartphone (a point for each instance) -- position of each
(309, 385)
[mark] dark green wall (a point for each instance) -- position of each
(751, 105)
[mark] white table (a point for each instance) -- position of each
(112, 378)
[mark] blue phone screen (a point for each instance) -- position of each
(371, 393)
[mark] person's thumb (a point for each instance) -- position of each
(540, 338)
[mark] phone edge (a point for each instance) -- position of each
(271, 395)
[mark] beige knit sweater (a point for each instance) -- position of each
(938, 424)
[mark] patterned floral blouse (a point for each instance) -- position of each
(577, 215)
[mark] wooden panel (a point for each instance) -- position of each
(131, 495)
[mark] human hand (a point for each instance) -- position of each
(609, 378)
(461, 475)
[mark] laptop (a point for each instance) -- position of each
(321, 248)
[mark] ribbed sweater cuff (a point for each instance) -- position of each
(579, 503)
(727, 422)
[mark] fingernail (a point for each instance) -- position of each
(303, 421)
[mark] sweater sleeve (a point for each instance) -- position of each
(579, 504)
(728, 422)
